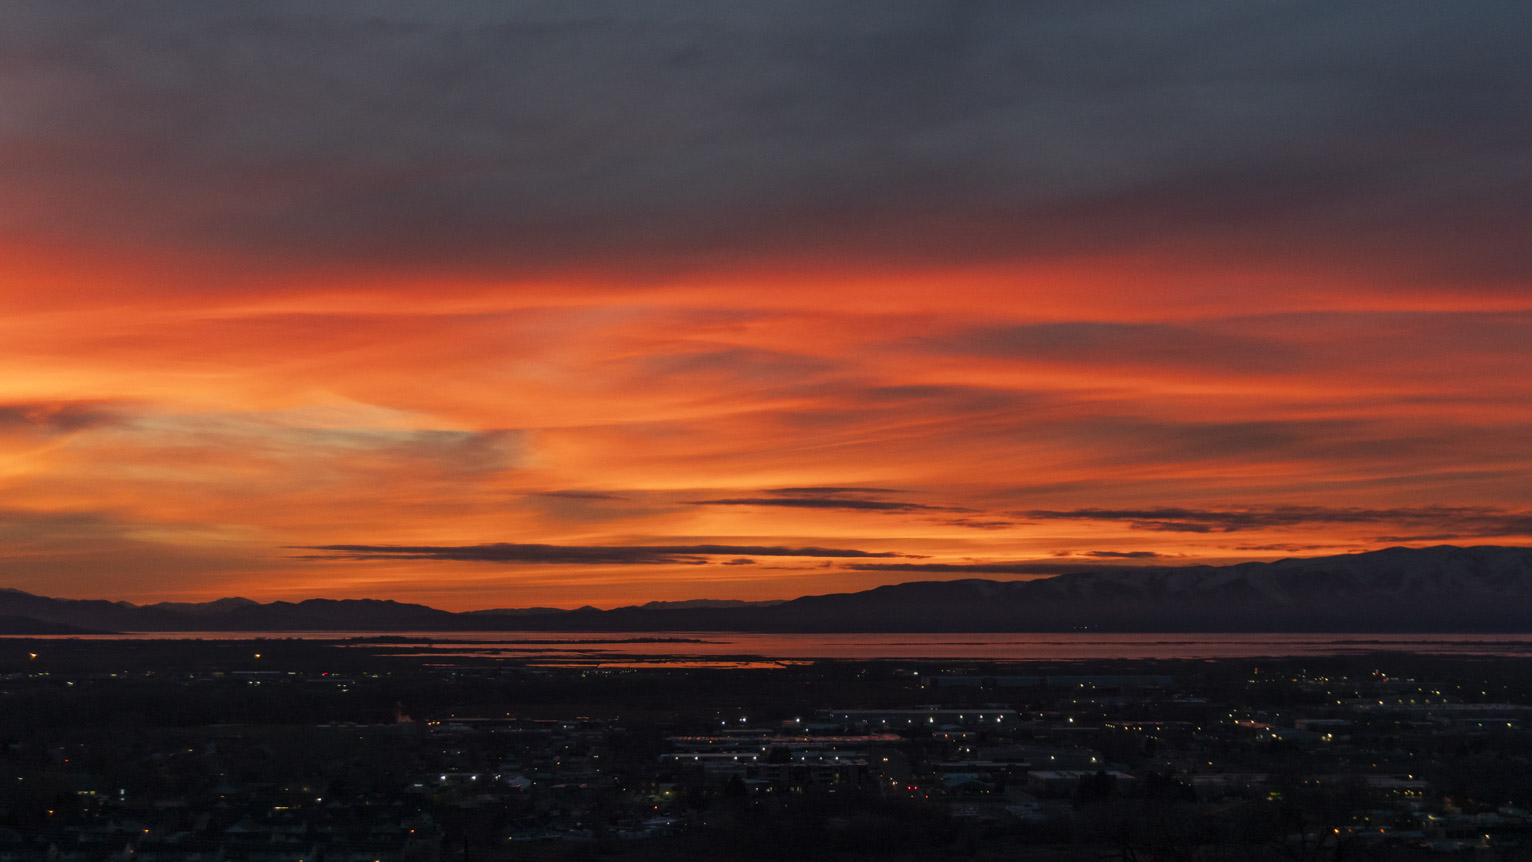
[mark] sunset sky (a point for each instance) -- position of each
(554, 303)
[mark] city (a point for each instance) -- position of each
(356, 749)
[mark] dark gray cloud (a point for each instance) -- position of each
(1405, 342)
(1294, 548)
(25, 530)
(1447, 522)
(737, 368)
(54, 418)
(977, 523)
(829, 503)
(541, 134)
(590, 555)
(829, 497)
(826, 490)
(1040, 567)
(1111, 555)
(579, 495)
(1139, 344)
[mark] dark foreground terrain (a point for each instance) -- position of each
(376, 750)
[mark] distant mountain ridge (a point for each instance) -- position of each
(29, 626)
(199, 608)
(1440, 589)
(690, 604)
(1444, 588)
(227, 614)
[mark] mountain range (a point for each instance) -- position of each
(1439, 589)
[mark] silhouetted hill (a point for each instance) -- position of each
(1399, 589)
(29, 626)
(1442, 589)
(213, 607)
(521, 612)
(332, 615)
(229, 614)
(692, 604)
(88, 613)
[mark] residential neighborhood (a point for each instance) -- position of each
(389, 758)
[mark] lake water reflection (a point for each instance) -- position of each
(733, 648)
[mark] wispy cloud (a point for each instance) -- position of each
(55, 418)
(1112, 555)
(977, 523)
(828, 490)
(1446, 521)
(579, 495)
(830, 497)
(1292, 547)
(606, 555)
(1037, 568)
(829, 503)
(1138, 345)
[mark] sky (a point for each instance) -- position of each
(548, 303)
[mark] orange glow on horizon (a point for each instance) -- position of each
(203, 434)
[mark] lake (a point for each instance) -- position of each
(735, 649)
